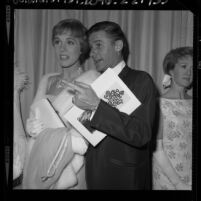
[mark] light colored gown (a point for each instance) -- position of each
(51, 152)
(177, 141)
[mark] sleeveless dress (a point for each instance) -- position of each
(177, 142)
(50, 154)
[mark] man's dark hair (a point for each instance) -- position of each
(114, 31)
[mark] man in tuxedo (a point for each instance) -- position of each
(122, 159)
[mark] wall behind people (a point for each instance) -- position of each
(151, 34)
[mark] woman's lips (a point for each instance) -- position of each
(63, 57)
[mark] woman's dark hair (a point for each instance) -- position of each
(173, 56)
(78, 30)
(115, 32)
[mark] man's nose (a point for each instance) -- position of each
(92, 52)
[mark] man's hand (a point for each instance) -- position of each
(85, 97)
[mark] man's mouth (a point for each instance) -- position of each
(97, 61)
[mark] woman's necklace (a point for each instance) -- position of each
(62, 82)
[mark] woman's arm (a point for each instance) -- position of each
(33, 125)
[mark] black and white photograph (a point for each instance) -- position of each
(138, 135)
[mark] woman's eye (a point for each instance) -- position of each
(70, 42)
(183, 65)
(56, 42)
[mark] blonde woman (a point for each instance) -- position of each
(56, 156)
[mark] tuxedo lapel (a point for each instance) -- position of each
(124, 72)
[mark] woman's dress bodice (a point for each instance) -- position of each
(40, 153)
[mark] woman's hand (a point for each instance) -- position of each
(34, 126)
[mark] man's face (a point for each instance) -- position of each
(103, 51)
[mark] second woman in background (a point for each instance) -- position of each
(172, 160)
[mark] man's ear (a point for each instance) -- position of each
(118, 45)
(171, 73)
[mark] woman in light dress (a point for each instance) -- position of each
(172, 160)
(56, 156)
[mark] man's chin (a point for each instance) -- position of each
(100, 68)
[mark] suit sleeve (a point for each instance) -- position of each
(134, 129)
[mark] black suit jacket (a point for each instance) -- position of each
(122, 159)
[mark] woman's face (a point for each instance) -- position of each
(67, 49)
(182, 74)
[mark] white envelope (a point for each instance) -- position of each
(112, 90)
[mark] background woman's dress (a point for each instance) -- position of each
(177, 142)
